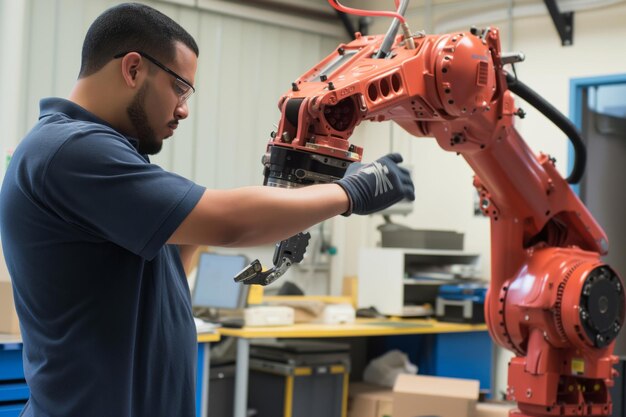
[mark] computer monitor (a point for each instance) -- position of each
(215, 288)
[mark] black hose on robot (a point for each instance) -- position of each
(292, 110)
(559, 119)
(385, 47)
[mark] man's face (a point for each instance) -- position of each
(156, 108)
(149, 143)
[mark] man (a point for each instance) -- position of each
(96, 238)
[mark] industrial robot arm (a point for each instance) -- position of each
(552, 300)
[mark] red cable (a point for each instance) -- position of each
(360, 12)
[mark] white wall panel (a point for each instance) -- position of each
(230, 93)
(322, 26)
(68, 15)
(12, 16)
(243, 68)
(207, 100)
(41, 57)
(254, 131)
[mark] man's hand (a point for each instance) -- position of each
(375, 186)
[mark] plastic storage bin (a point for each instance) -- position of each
(463, 303)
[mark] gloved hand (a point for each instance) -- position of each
(375, 186)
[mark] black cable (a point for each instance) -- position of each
(390, 36)
(364, 25)
(559, 119)
(347, 23)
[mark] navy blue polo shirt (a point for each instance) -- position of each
(103, 301)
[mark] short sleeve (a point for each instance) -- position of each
(102, 185)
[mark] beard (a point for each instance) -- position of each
(149, 143)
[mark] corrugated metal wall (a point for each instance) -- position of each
(243, 68)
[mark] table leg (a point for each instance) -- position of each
(206, 366)
(241, 377)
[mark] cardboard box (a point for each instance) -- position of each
(8, 316)
(367, 400)
(429, 396)
(494, 409)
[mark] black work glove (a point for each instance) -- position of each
(375, 186)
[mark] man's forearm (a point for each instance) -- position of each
(252, 216)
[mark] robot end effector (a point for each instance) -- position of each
(287, 252)
(370, 188)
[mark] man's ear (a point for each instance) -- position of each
(133, 68)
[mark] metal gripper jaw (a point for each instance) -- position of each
(288, 252)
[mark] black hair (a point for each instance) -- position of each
(131, 27)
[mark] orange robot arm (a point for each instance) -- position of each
(551, 299)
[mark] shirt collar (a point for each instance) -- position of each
(51, 105)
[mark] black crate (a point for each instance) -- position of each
(285, 382)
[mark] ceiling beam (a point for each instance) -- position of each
(564, 22)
